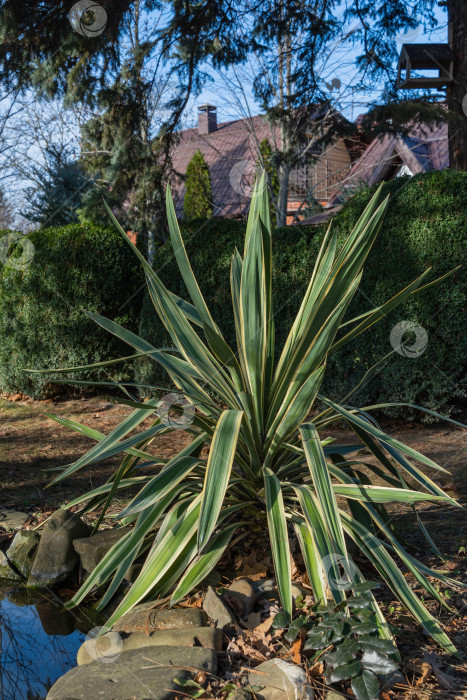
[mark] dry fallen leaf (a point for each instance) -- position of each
(201, 678)
(421, 668)
(234, 604)
(295, 651)
(316, 670)
(444, 679)
(252, 621)
(249, 566)
(262, 629)
(250, 651)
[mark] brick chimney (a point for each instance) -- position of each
(207, 119)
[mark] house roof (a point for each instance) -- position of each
(424, 148)
(231, 153)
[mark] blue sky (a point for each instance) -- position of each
(353, 103)
(231, 92)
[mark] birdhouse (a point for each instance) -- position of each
(423, 57)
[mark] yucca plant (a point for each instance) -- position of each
(266, 462)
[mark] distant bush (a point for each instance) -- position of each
(426, 226)
(198, 190)
(42, 320)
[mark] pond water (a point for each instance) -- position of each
(38, 642)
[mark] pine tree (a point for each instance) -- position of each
(59, 185)
(198, 190)
(191, 36)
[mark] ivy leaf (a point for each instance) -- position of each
(317, 639)
(344, 653)
(366, 686)
(365, 586)
(294, 628)
(336, 627)
(281, 620)
(365, 615)
(363, 628)
(378, 662)
(342, 673)
(382, 645)
(359, 602)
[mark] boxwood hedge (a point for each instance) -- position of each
(426, 226)
(42, 320)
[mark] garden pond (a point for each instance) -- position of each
(39, 641)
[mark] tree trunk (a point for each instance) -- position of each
(457, 91)
(282, 197)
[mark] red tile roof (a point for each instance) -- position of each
(231, 154)
(424, 148)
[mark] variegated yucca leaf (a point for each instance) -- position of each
(253, 456)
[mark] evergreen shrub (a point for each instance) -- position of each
(426, 225)
(75, 268)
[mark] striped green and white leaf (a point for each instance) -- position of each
(279, 538)
(221, 457)
(265, 461)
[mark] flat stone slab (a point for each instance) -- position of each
(93, 649)
(12, 519)
(280, 680)
(56, 558)
(222, 616)
(141, 618)
(240, 597)
(140, 674)
(91, 549)
(6, 571)
(23, 549)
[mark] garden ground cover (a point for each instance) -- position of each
(31, 444)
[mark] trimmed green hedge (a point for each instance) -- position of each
(42, 320)
(426, 226)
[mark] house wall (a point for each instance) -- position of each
(322, 178)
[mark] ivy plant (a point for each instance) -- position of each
(346, 639)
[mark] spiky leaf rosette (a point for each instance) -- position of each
(264, 456)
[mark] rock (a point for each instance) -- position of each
(207, 637)
(280, 680)
(332, 695)
(56, 558)
(265, 588)
(240, 596)
(132, 675)
(92, 549)
(6, 571)
(54, 619)
(141, 617)
(134, 569)
(299, 592)
(218, 611)
(22, 550)
(12, 519)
